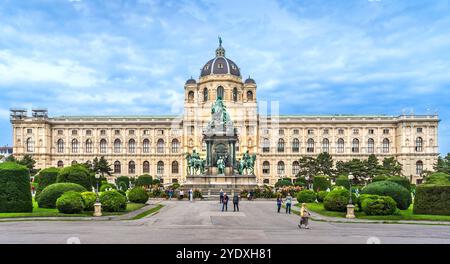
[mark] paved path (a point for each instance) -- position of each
(202, 222)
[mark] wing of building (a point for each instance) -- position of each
(157, 145)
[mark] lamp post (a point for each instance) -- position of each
(350, 206)
(307, 181)
(97, 205)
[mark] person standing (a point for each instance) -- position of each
(288, 203)
(221, 196)
(191, 194)
(279, 202)
(181, 194)
(304, 215)
(236, 202)
(225, 202)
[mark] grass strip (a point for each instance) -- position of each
(148, 212)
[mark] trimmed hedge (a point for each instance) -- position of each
(379, 205)
(321, 196)
(401, 181)
(138, 195)
(76, 174)
(387, 188)
(432, 199)
(300, 181)
(106, 186)
(113, 201)
(306, 196)
(123, 182)
(283, 183)
(89, 199)
(51, 193)
(380, 178)
(343, 181)
(15, 190)
(337, 200)
(321, 183)
(144, 180)
(438, 178)
(44, 178)
(70, 202)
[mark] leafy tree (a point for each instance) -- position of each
(392, 167)
(28, 162)
(324, 163)
(11, 158)
(373, 168)
(308, 168)
(443, 164)
(101, 166)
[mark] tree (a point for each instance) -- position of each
(308, 168)
(11, 158)
(28, 162)
(324, 163)
(443, 164)
(101, 166)
(373, 167)
(392, 167)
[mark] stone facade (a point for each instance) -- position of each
(157, 145)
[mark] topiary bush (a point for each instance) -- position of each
(15, 191)
(76, 174)
(44, 178)
(113, 201)
(362, 197)
(378, 205)
(387, 188)
(123, 183)
(380, 178)
(438, 178)
(432, 199)
(107, 186)
(343, 181)
(48, 196)
(321, 196)
(284, 182)
(306, 196)
(70, 202)
(138, 195)
(198, 194)
(144, 180)
(337, 200)
(301, 181)
(321, 183)
(403, 181)
(89, 199)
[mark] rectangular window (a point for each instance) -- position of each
(60, 132)
(385, 131)
(355, 131)
(102, 132)
(419, 130)
(325, 131)
(88, 132)
(131, 132)
(117, 132)
(296, 132)
(74, 132)
(310, 131)
(371, 131)
(29, 131)
(146, 132)
(281, 132)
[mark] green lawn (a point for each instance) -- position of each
(403, 214)
(148, 212)
(49, 212)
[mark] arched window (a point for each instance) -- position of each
(103, 146)
(340, 145)
(117, 146)
(266, 145)
(326, 145)
(117, 167)
(131, 167)
(146, 146)
(249, 96)
(295, 145)
(419, 168)
(370, 145)
(160, 146)
(88, 146)
(295, 168)
(30, 145)
(146, 167)
(205, 94)
(60, 164)
(220, 92)
(280, 168)
(280, 146)
(175, 167)
(131, 146)
(419, 144)
(175, 145)
(74, 162)
(310, 146)
(266, 181)
(60, 146)
(266, 167)
(160, 168)
(385, 145)
(235, 94)
(355, 145)
(74, 145)
(191, 97)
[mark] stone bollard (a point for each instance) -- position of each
(350, 211)
(232, 193)
(209, 193)
(97, 209)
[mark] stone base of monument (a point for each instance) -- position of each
(211, 184)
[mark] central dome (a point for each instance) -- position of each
(220, 64)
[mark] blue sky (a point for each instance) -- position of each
(84, 57)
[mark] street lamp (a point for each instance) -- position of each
(97, 205)
(307, 181)
(350, 206)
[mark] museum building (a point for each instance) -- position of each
(157, 145)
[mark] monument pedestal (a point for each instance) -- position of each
(212, 184)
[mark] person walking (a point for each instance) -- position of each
(236, 202)
(304, 215)
(181, 194)
(225, 202)
(170, 193)
(279, 202)
(221, 196)
(288, 203)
